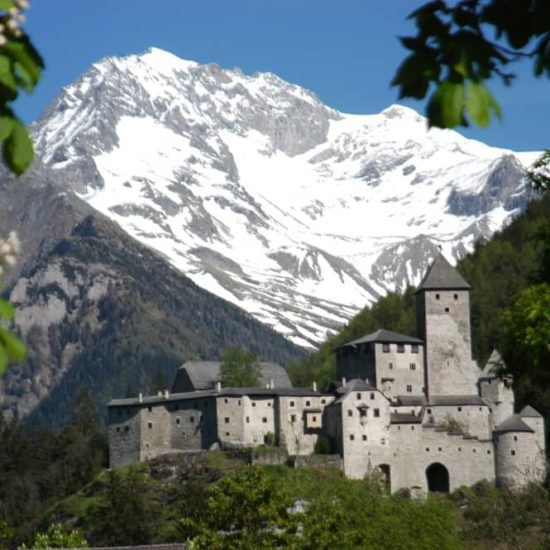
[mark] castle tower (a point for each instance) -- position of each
(443, 322)
(496, 391)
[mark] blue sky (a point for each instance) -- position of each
(346, 51)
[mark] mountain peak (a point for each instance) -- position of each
(163, 60)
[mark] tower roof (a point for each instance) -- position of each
(441, 275)
(513, 423)
(494, 363)
(387, 336)
(529, 412)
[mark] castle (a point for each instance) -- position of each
(418, 410)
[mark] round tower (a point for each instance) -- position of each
(517, 454)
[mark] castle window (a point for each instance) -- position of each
(386, 348)
(400, 348)
(447, 310)
(409, 388)
(323, 401)
(427, 449)
(225, 401)
(293, 418)
(412, 366)
(363, 412)
(460, 449)
(455, 296)
(439, 448)
(459, 409)
(239, 402)
(437, 296)
(515, 438)
(291, 404)
(350, 412)
(358, 396)
(314, 419)
(429, 411)
(308, 403)
(372, 395)
(390, 366)
(150, 409)
(376, 413)
(126, 428)
(248, 419)
(264, 419)
(227, 434)
(414, 348)
(226, 419)
(488, 451)
(150, 425)
(513, 453)
(352, 437)
(268, 403)
(412, 428)
(364, 437)
(177, 420)
(253, 403)
(191, 419)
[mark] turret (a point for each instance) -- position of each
(443, 322)
(496, 390)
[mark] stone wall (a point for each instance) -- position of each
(124, 436)
(472, 419)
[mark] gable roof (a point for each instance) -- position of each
(203, 375)
(441, 275)
(513, 424)
(386, 336)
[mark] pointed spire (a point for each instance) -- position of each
(529, 412)
(494, 364)
(442, 275)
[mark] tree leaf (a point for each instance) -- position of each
(8, 85)
(18, 150)
(477, 104)
(6, 127)
(445, 109)
(3, 359)
(7, 311)
(15, 349)
(26, 60)
(6, 4)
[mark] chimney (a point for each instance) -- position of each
(343, 380)
(140, 397)
(271, 383)
(314, 386)
(159, 393)
(218, 385)
(166, 394)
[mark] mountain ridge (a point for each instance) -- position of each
(268, 198)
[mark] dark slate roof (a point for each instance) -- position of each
(399, 418)
(229, 392)
(441, 275)
(203, 375)
(529, 412)
(513, 423)
(386, 336)
(410, 400)
(452, 400)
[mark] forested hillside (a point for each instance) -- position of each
(515, 261)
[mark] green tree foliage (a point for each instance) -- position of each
(250, 509)
(239, 369)
(539, 172)
(58, 537)
(245, 510)
(128, 513)
(20, 69)
(453, 55)
(38, 466)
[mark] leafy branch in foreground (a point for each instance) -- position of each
(20, 69)
(11, 348)
(539, 172)
(452, 53)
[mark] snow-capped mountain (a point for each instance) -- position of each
(266, 197)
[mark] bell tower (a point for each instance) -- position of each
(443, 322)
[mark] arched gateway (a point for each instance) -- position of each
(438, 478)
